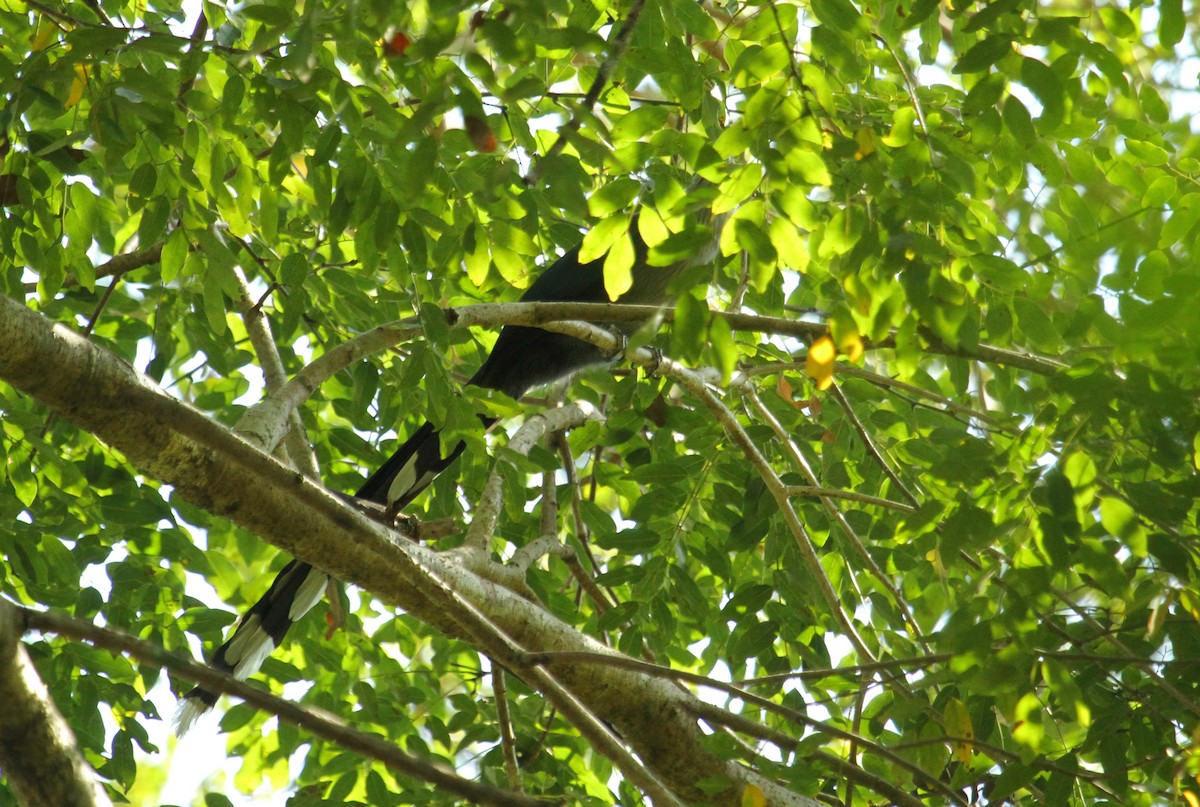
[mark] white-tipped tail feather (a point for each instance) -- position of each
(295, 591)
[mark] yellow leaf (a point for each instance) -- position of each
(935, 560)
(852, 346)
(957, 722)
(819, 364)
(1191, 798)
(77, 86)
(866, 143)
(753, 797)
(1190, 602)
(618, 268)
(44, 37)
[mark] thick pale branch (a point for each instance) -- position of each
(218, 471)
(38, 754)
(488, 314)
(265, 422)
(487, 511)
(299, 449)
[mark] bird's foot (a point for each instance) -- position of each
(622, 343)
(388, 516)
(656, 362)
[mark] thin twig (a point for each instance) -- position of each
(718, 716)
(508, 741)
(887, 382)
(581, 529)
(619, 45)
(801, 462)
(849, 495)
(869, 444)
(868, 780)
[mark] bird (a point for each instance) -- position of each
(522, 358)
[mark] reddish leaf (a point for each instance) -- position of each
(397, 44)
(480, 133)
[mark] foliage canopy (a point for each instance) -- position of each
(983, 558)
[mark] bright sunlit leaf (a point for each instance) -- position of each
(618, 268)
(820, 362)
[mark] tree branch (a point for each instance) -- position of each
(320, 724)
(265, 422)
(508, 741)
(801, 462)
(487, 314)
(38, 753)
(222, 473)
(848, 495)
(696, 383)
(120, 264)
(865, 437)
(299, 449)
(487, 510)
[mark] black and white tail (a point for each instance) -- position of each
(299, 586)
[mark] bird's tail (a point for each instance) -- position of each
(410, 470)
(298, 586)
(296, 589)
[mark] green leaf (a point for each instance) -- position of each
(214, 302)
(1171, 23)
(984, 54)
(600, 239)
(21, 479)
(636, 125)
(901, 133)
(688, 332)
(756, 639)
(737, 188)
(174, 254)
(758, 64)
(1149, 153)
(613, 196)
(1018, 121)
(724, 350)
(840, 14)
(1033, 322)
(1046, 85)
(1161, 190)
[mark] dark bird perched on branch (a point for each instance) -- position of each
(522, 358)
